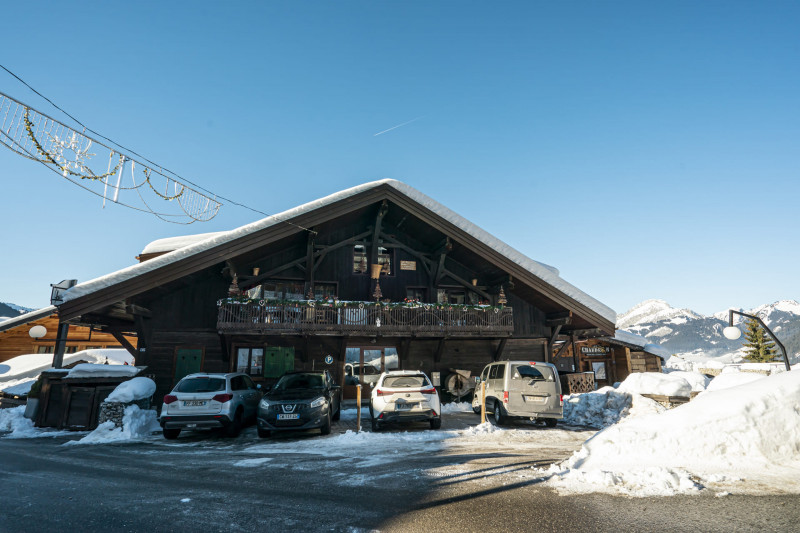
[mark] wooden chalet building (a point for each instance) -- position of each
(296, 290)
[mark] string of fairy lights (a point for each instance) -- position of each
(80, 158)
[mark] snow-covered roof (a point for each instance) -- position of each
(626, 337)
(173, 243)
(28, 317)
(544, 272)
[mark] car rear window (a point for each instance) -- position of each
(299, 381)
(201, 385)
(540, 373)
(399, 382)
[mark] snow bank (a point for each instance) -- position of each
(137, 424)
(132, 390)
(732, 379)
(749, 431)
(655, 383)
(91, 370)
(456, 407)
(13, 421)
(605, 407)
(697, 381)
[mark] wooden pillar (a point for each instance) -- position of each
(61, 344)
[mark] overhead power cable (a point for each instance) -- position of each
(49, 148)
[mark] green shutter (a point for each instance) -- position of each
(187, 361)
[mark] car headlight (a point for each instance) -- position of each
(318, 402)
(264, 404)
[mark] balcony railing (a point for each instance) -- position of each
(363, 318)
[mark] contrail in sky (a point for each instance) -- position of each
(399, 126)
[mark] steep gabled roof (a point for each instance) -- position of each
(28, 317)
(130, 281)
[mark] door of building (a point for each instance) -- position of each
(187, 361)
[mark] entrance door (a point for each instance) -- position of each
(187, 361)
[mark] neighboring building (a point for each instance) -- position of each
(612, 359)
(15, 338)
(451, 295)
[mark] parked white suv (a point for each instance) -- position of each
(521, 389)
(404, 396)
(209, 401)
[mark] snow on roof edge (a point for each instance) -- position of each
(168, 244)
(27, 317)
(546, 273)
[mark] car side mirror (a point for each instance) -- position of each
(477, 379)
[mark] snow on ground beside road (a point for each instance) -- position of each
(733, 379)
(132, 390)
(13, 421)
(696, 380)
(656, 383)
(605, 407)
(748, 432)
(137, 424)
(456, 407)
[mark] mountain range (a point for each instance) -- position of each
(683, 331)
(9, 310)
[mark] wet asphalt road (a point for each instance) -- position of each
(201, 484)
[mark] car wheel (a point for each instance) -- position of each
(498, 415)
(550, 422)
(375, 425)
(436, 423)
(326, 426)
(235, 427)
(171, 434)
(338, 414)
(264, 433)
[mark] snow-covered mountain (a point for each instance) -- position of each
(11, 310)
(684, 331)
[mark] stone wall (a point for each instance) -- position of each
(114, 411)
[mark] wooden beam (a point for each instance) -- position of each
(439, 350)
(117, 334)
(323, 250)
(310, 262)
(382, 210)
(549, 353)
(552, 322)
(575, 359)
(589, 332)
(561, 350)
(138, 311)
(424, 259)
(500, 348)
(467, 285)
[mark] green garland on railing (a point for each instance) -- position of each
(346, 304)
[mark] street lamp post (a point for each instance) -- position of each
(733, 333)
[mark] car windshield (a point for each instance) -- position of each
(399, 382)
(531, 372)
(204, 384)
(299, 381)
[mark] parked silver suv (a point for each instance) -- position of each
(521, 389)
(209, 401)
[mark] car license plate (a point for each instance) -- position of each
(288, 417)
(194, 403)
(405, 406)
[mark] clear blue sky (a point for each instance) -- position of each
(647, 150)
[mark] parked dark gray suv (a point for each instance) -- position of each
(300, 400)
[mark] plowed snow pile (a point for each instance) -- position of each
(749, 432)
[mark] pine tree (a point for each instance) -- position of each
(758, 346)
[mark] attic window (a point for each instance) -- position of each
(361, 263)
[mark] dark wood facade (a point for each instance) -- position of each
(177, 309)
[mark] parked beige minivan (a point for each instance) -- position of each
(521, 389)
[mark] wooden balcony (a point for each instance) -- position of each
(363, 319)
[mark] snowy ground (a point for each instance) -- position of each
(740, 435)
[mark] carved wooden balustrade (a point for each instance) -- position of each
(366, 319)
